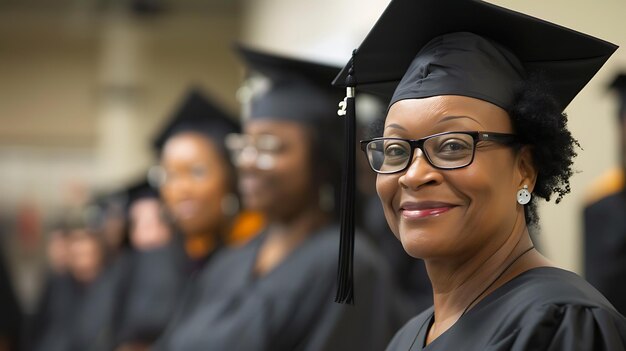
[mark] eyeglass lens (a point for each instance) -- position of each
(452, 150)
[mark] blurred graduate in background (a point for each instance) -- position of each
(605, 219)
(197, 185)
(10, 315)
(147, 230)
(79, 303)
(276, 292)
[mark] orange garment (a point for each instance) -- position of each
(198, 247)
(245, 226)
(607, 184)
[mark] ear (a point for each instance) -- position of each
(527, 173)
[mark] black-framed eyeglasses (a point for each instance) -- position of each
(261, 150)
(449, 150)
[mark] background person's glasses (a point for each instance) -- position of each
(449, 150)
(259, 150)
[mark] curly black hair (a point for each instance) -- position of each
(540, 123)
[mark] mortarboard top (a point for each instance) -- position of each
(105, 205)
(566, 58)
(422, 48)
(619, 83)
(140, 190)
(288, 88)
(196, 113)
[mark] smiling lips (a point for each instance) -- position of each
(425, 209)
(186, 209)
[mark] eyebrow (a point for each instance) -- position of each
(444, 119)
(449, 118)
(396, 126)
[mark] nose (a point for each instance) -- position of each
(181, 185)
(246, 159)
(250, 158)
(419, 173)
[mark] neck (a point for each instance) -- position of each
(297, 227)
(284, 235)
(298, 222)
(459, 284)
(202, 243)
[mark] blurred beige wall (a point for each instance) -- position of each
(83, 90)
(591, 115)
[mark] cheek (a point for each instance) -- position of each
(212, 190)
(488, 188)
(169, 194)
(293, 174)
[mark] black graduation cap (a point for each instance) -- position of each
(104, 205)
(619, 85)
(566, 58)
(140, 190)
(281, 87)
(196, 113)
(421, 48)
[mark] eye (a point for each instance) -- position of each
(454, 146)
(396, 150)
(269, 143)
(199, 172)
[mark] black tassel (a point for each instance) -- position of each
(345, 277)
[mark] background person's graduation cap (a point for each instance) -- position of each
(465, 47)
(287, 88)
(141, 189)
(197, 113)
(283, 88)
(619, 86)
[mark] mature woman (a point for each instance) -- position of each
(276, 292)
(470, 142)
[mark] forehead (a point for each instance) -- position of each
(446, 113)
(281, 128)
(189, 145)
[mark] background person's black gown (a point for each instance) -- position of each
(10, 314)
(77, 317)
(605, 247)
(291, 307)
(157, 280)
(541, 309)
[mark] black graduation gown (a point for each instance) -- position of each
(53, 311)
(10, 315)
(93, 321)
(157, 279)
(290, 308)
(77, 317)
(605, 248)
(541, 309)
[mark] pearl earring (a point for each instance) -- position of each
(523, 196)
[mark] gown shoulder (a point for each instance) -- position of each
(541, 309)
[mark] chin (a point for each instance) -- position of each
(258, 203)
(190, 227)
(415, 249)
(421, 243)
